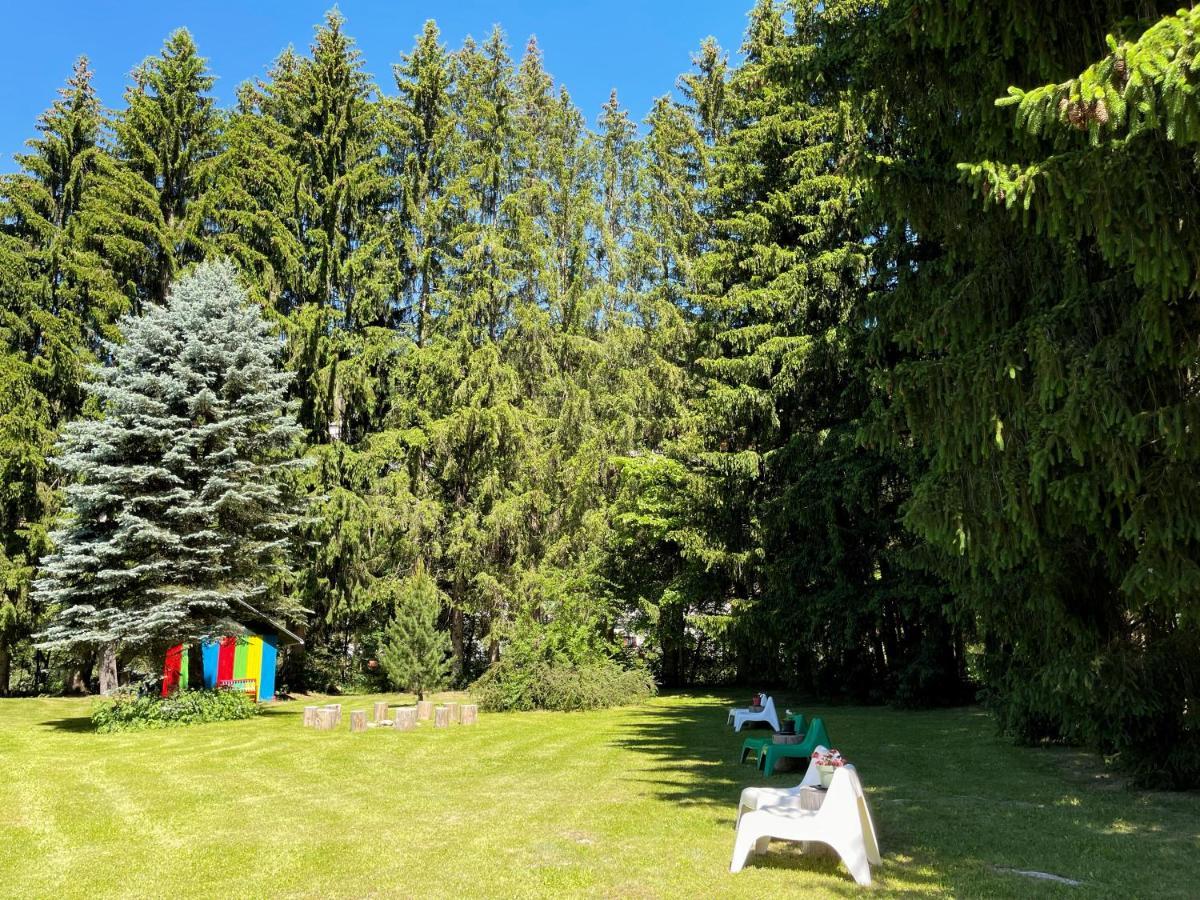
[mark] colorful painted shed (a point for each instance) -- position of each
(245, 662)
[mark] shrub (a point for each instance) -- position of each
(130, 712)
(515, 683)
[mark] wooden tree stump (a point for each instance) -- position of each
(326, 719)
(337, 712)
(381, 711)
(789, 763)
(424, 709)
(455, 713)
(310, 716)
(406, 718)
(358, 721)
(441, 717)
(469, 713)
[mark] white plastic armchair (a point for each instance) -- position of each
(754, 797)
(843, 822)
(742, 716)
(745, 709)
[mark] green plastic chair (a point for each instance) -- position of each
(753, 746)
(814, 737)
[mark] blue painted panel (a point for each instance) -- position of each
(266, 679)
(209, 652)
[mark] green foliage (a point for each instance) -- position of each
(835, 369)
(517, 684)
(131, 712)
(57, 301)
(560, 664)
(414, 653)
(1034, 348)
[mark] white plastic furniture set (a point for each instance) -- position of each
(739, 717)
(837, 817)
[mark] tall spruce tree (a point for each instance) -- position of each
(422, 146)
(57, 301)
(142, 217)
(1028, 364)
(799, 518)
(338, 312)
(176, 517)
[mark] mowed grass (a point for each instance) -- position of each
(635, 802)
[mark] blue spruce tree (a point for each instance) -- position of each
(177, 514)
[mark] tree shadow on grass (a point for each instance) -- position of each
(696, 750)
(71, 724)
(83, 724)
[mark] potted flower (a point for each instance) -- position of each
(828, 762)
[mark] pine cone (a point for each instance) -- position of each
(1121, 71)
(1099, 112)
(1078, 114)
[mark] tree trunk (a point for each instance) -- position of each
(79, 682)
(5, 667)
(292, 674)
(108, 668)
(456, 640)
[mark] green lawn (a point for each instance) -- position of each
(635, 802)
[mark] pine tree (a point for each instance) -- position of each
(336, 306)
(797, 516)
(338, 313)
(141, 214)
(176, 514)
(415, 654)
(57, 301)
(422, 150)
(1035, 349)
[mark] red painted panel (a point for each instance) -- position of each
(225, 658)
(171, 669)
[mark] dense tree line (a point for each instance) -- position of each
(865, 364)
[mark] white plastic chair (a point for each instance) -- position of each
(755, 797)
(733, 712)
(742, 716)
(843, 822)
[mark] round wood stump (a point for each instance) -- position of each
(406, 718)
(441, 717)
(424, 709)
(310, 716)
(455, 713)
(380, 711)
(789, 763)
(326, 719)
(469, 713)
(358, 721)
(337, 712)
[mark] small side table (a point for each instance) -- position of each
(811, 797)
(788, 764)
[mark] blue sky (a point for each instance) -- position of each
(635, 46)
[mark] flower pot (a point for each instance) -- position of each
(826, 773)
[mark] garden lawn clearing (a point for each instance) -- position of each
(632, 802)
